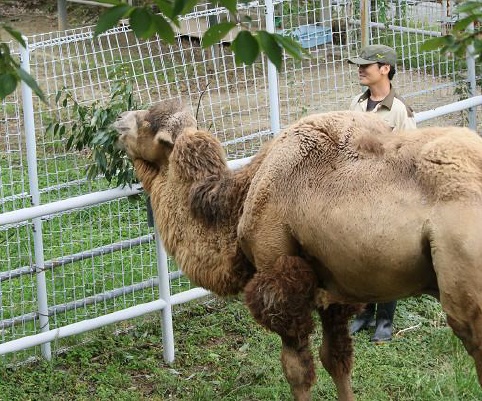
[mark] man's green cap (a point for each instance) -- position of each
(375, 54)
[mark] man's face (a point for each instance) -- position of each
(372, 74)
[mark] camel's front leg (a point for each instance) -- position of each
(282, 300)
(336, 352)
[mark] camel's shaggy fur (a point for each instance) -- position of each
(181, 168)
(334, 212)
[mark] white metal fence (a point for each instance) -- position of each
(75, 255)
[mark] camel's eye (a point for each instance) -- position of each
(165, 142)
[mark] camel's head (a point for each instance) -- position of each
(150, 134)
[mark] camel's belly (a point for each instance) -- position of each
(378, 281)
(371, 254)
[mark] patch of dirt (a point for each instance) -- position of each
(41, 16)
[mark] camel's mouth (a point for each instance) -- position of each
(126, 125)
(121, 128)
(119, 144)
(122, 122)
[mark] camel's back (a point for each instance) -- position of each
(449, 165)
(345, 154)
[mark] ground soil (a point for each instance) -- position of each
(40, 16)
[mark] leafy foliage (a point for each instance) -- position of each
(10, 71)
(92, 129)
(247, 46)
(466, 32)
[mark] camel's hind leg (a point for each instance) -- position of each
(336, 351)
(282, 300)
(457, 258)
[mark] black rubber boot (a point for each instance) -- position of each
(364, 320)
(384, 327)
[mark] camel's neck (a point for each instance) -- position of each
(205, 246)
(146, 172)
(208, 255)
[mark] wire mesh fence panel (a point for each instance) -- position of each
(102, 258)
(331, 31)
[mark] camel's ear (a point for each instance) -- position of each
(164, 138)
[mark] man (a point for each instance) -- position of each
(376, 68)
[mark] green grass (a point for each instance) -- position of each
(221, 353)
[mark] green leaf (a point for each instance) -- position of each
(164, 29)
(58, 96)
(245, 48)
(56, 129)
(16, 35)
(8, 83)
(142, 23)
(215, 33)
(62, 131)
(101, 160)
(270, 46)
(434, 43)
(182, 7)
(50, 128)
(27, 78)
(111, 17)
(230, 5)
(469, 7)
(463, 23)
(69, 143)
(291, 46)
(165, 7)
(5, 56)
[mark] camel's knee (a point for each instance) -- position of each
(282, 298)
(466, 322)
(477, 355)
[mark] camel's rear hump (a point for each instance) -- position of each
(449, 166)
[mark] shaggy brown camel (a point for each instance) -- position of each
(177, 166)
(335, 211)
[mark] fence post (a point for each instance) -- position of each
(274, 108)
(62, 13)
(30, 143)
(472, 81)
(165, 295)
(365, 22)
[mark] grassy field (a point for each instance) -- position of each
(222, 354)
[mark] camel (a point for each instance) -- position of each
(336, 211)
(178, 166)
